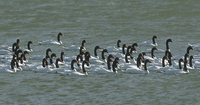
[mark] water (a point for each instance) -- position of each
(100, 22)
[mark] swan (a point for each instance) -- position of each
(123, 49)
(134, 69)
(115, 48)
(40, 57)
(115, 64)
(157, 65)
(189, 48)
(29, 47)
(92, 60)
(22, 59)
(103, 54)
(152, 58)
(191, 66)
(173, 70)
(102, 69)
(53, 55)
(122, 53)
(53, 42)
(74, 47)
(95, 51)
(79, 59)
(12, 68)
(41, 68)
(133, 49)
(67, 71)
(140, 58)
(62, 62)
(68, 59)
(148, 43)
(125, 64)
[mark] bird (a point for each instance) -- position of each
(53, 42)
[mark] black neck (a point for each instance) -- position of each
(153, 40)
(185, 66)
(123, 49)
(78, 57)
(87, 58)
(57, 66)
(103, 55)
(126, 57)
(109, 60)
(167, 45)
(95, 52)
(14, 56)
(152, 53)
(163, 61)
(51, 61)
(83, 44)
(80, 50)
(18, 41)
(25, 57)
(188, 50)
(17, 56)
(17, 44)
(44, 62)
(145, 66)
(138, 61)
(169, 61)
(114, 65)
(58, 38)
(72, 64)
(61, 57)
(47, 53)
(118, 44)
(12, 64)
(14, 47)
(17, 64)
(108, 64)
(83, 66)
(21, 58)
(185, 58)
(127, 51)
(29, 48)
(180, 66)
(190, 61)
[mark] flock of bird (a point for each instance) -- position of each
(113, 59)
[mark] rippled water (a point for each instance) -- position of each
(100, 22)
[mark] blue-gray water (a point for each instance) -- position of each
(100, 22)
